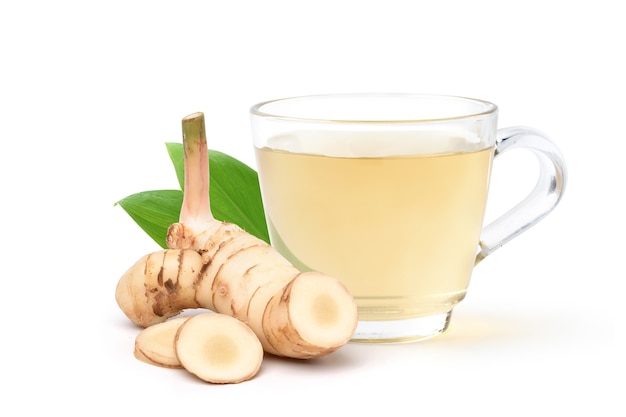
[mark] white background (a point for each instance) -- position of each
(90, 91)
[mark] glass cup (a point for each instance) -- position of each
(387, 192)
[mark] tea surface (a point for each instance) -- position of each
(400, 231)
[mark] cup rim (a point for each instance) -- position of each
(258, 109)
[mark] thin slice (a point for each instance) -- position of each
(218, 348)
(155, 344)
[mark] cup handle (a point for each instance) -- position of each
(541, 200)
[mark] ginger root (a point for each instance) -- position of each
(219, 266)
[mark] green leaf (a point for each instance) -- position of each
(235, 194)
(154, 211)
(177, 155)
(233, 190)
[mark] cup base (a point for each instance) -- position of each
(399, 331)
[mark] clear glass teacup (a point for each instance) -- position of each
(387, 192)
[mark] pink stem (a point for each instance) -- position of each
(196, 205)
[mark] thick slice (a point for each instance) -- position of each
(218, 348)
(309, 316)
(315, 309)
(155, 344)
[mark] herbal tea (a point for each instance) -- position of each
(387, 192)
(399, 226)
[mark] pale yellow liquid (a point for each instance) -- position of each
(400, 231)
